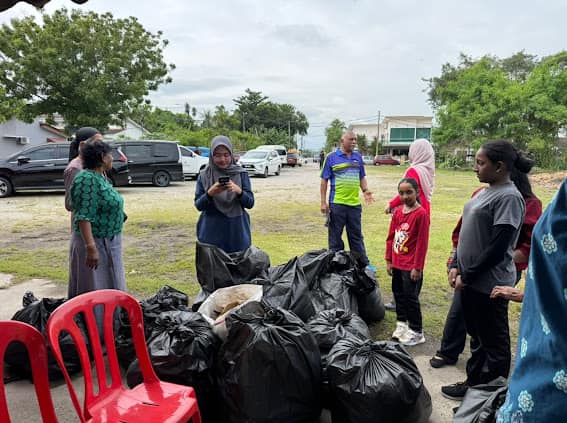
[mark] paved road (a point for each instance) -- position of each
(24, 409)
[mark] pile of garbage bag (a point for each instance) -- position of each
(264, 344)
(306, 285)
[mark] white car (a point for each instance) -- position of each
(261, 162)
(192, 163)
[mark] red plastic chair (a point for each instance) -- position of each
(151, 401)
(32, 339)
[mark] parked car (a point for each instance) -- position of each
(385, 159)
(41, 168)
(192, 163)
(280, 149)
(201, 151)
(158, 162)
(261, 162)
(368, 160)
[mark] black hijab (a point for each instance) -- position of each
(81, 135)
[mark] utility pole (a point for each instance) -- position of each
(378, 132)
(289, 134)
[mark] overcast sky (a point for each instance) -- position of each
(329, 58)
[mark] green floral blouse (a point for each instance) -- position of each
(95, 200)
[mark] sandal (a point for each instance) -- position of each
(438, 361)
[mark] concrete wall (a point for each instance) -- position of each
(17, 128)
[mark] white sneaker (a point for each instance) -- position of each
(411, 338)
(401, 329)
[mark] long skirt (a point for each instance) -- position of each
(110, 271)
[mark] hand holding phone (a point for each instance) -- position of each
(224, 180)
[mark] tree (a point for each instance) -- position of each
(362, 144)
(516, 98)
(224, 121)
(90, 68)
(257, 114)
(334, 132)
(207, 119)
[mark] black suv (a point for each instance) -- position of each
(41, 168)
(158, 162)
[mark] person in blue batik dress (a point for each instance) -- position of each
(537, 390)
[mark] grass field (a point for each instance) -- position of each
(159, 236)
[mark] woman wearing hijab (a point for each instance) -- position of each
(537, 389)
(223, 193)
(422, 169)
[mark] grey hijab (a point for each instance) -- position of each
(226, 202)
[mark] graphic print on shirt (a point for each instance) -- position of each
(401, 237)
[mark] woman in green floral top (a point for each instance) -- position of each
(96, 247)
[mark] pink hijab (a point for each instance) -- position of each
(422, 159)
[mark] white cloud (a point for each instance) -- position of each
(334, 58)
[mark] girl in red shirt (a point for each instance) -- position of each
(406, 248)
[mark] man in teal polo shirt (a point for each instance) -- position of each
(344, 167)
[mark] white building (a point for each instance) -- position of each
(16, 135)
(395, 133)
(129, 130)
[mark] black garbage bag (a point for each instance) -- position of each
(286, 288)
(332, 291)
(482, 402)
(343, 260)
(165, 299)
(183, 348)
(329, 327)
(315, 263)
(218, 269)
(269, 369)
(360, 280)
(36, 313)
(376, 382)
(371, 306)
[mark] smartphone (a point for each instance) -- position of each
(223, 180)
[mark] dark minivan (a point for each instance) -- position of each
(158, 162)
(41, 168)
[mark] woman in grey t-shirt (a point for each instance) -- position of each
(484, 259)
